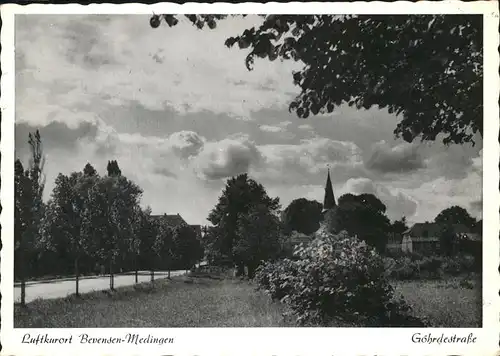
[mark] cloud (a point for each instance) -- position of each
(226, 158)
(306, 163)
(186, 143)
(285, 123)
(163, 171)
(398, 203)
(97, 55)
(441, 193)
(454, 162)
(170, 105)
(398, 159)
(305, 127)
(55, 135)
(269, 128)
(476, 207)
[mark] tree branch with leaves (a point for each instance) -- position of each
(426, 68)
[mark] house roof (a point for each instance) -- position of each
(174, 220)
(460, 229)
(427, 230)
(422, 229)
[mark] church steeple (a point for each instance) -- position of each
(329, 201)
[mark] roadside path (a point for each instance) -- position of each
(61, 288)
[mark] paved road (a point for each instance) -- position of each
(62, 288)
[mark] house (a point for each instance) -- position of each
(297, 238)
(422, 238)
(426, 237)
(175, 220)
(394, 242)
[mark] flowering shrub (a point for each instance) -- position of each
(335, 277)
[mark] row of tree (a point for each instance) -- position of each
(91, 223)
(364, 216)
(247, 227)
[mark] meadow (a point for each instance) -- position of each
(452, 302)
(214, 301)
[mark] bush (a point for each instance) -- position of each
(452, 266)
(335, 277)
(277, 278)
(431, 267)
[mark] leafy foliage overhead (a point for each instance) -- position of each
(428, 68)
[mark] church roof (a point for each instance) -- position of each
(329, 201)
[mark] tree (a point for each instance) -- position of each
(239, 195)
(113, 169)
(186, 246)
(22, 217)
(363, 216)
(150, 241)
(428, 68)
(478, 227)
(89, 170)
(136, 240)
(67, 216)
(124, 199)
(447, 240)
(400, 226)
(456, 215)
(258, 238)
(113, 201)
(303, 215)
(164, 246)
(212, 243)
(29, 185)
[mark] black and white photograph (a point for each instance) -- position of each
(178, 170)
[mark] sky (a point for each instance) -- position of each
(181, 113)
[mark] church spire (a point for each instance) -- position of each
(329, 201)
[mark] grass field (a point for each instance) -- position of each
(208, 302)
(444, 303)
(202, 302)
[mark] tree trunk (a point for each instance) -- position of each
(111, 279)
(136, 270)
(251, 270)
(152, 275)
(240, 270)
(23, 278)
(168, 272)
(76, 277)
